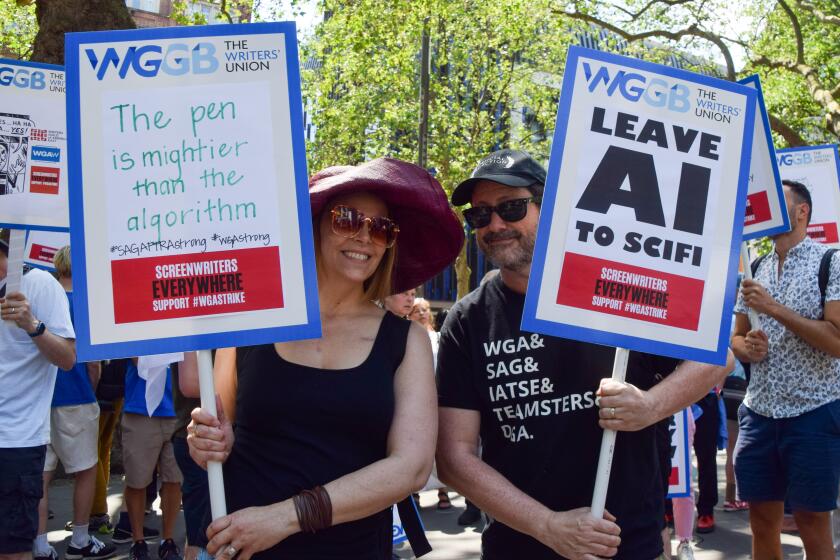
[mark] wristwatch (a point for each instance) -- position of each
(39, 330)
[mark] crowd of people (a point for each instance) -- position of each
(320, 438)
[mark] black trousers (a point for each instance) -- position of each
(705, 448)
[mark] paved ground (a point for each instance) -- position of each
(730, 541)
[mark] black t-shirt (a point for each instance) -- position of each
(539, 422)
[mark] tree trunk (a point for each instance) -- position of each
(462, 273)
(57, 17)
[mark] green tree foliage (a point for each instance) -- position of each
(17, 29)
(794, 45)
(493, 82)
(362, 81)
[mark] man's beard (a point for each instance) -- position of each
(514, 257)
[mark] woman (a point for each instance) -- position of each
(331, 432)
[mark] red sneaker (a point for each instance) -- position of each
(705, 523)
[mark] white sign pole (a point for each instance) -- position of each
(215, 479)
(14, 269)
(755, 322)
(602, 478)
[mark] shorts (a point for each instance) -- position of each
(195, 495)
(146, 443)
(796, 458)
(21, 488)
(74, 437)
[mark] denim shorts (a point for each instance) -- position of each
(796, 458)
(21, 488)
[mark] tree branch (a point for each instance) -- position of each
(692, 30)
(797, 31)
(224, 10)
(817, 13)
(646, 7)
(791, 136)
(818, 92)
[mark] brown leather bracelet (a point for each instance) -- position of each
(313, 509)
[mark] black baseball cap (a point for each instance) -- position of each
(513, 168)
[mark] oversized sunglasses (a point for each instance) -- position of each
(348, 222)
(509, 210)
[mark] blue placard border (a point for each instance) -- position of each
(780, 193)
(87, 351)
(43, 66)
(531, 323)
(686, 492)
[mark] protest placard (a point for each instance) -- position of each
(766, 212)
(41, 247)
(818, 168)
(33, 146)
(679, 480)
(191, 225)
(641, 221)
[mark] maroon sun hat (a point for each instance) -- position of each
(431, 235)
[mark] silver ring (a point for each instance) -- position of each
(612, 412)
(13, 309)
(231, 551)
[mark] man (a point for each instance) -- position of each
(532, 399)
(146, 445)
(400, 304)
(36, 338)
(74, 430)
(789, 440)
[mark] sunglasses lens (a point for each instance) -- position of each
(346, 221)
(478, 216)
(383, 231)
(513, 210)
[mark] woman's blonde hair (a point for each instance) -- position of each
(61, 260)
(379, 285)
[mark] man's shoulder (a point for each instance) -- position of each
(475, 300)
(38, 279)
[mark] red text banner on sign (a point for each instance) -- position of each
(42, 253)
(196, 284)
(758, 208)
(630, 291)
(823, 233)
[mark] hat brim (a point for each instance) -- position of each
(431, 235)
(463, 192)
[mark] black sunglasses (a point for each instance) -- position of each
(510, 211)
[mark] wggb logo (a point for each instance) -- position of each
(148, 60)
(22, 78)
(633, 87)
(794, 159)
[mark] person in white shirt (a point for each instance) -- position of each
(36, 338)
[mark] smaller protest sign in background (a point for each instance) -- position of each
(191, 217)
(679, 480)
(33, 146)
(640, 226)
(766, 212)
(41, 247)
(818, 168)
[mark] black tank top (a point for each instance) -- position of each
(298, 427)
